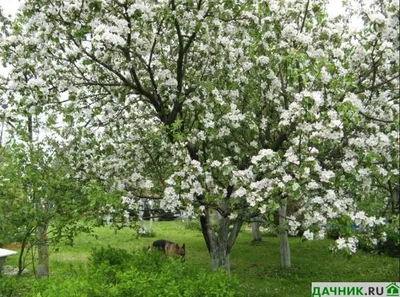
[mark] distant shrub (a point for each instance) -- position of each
(385, 239)
(392, 244)
(117, 273)
(192, 225)
(110, 256)
(388, 239)
(143, 232)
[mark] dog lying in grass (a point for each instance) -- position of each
(169, 248)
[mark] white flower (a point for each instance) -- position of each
(383, 236)
(172, 82)
(352, 244)
(326, 175)
(308, 235)
(233, 216)
(377, 17)
(293, 225)
(146, 184)
(348, 165)
(286, 178)
(330, 196)
(374, 241)
(338, 53)
(198, 188)
(312, 185)
(317, 200)
(325, 76)
(354, 100)
(340, 243)
(291, 157)
(239, 193)
(247, 66)
(261, 154)
(262, 60)
(358, 217)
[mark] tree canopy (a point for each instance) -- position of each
(231, 106)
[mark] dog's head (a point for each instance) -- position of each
(180, 250)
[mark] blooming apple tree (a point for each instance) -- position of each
(236, 107)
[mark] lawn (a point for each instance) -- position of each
(256, 266)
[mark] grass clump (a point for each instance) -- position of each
(115, 272)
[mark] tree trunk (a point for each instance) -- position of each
(43, 252)
(151, 226)
(21, 264)
(220, 240)
(255, 228)
(283, 237)
(220, 257)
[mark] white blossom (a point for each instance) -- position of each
(308, 235)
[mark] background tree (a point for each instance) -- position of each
(41, 200)
(218, 106)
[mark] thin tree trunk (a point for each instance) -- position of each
(255, 228)
(283, 237)
(21, 257)
(42, 241)
(43, 252)
(151, 226)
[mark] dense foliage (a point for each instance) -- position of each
(118, 273)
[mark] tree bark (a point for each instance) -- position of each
(283, 237)
(43, 252)
(220, 239)
(255, 228)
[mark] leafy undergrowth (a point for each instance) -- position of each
(255, 266)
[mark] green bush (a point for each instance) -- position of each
(389, 245)
(117, 273)
(392, 244)
(68, 287)
(192, 225)
(9, 286)
(344, 227)
(110, 256)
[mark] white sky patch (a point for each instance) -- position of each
(10, 7)
(335, 7)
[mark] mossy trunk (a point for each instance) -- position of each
(220, 238)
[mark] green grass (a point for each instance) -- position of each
(256, 266)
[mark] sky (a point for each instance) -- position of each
(10, 6)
